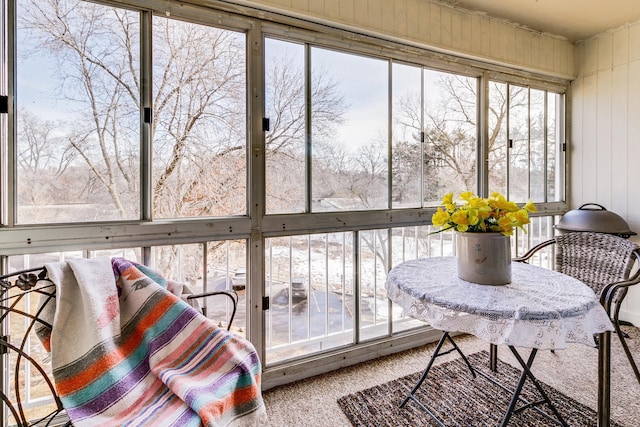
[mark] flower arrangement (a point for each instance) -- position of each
(477, 214)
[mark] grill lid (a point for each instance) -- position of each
(597, 219)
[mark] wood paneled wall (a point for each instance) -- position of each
(442, 28)
(605, 131)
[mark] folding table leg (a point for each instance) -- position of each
(526, 373)
(411, 396)
(604, 379)
(493, 357)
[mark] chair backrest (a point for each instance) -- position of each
(28, 368)
(596, 259)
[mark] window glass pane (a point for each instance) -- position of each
(450, 145)
(412, 243)
(537, 162)
(309, 282)
(132, 254)
(78, 116)
(498, 142)
(349, 141)
(534, 126)
(374, 304)
(200, 120)
(285, 142)
(226, 270)
(519, 141)
(406, 127)
(553, 146)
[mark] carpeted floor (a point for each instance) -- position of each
(573, 372)
(457, 399)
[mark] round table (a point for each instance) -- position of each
(540, 308)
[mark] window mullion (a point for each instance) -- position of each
(529, 122)
(8, 164)
(422, 139)
(482, 119)
(508, 137)
(256, 201)
(545, 139)
(308, 128)
(146, 116)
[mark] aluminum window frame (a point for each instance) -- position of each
(255, 226)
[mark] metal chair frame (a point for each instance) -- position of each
(12, 295)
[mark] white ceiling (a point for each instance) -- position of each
(573, 19)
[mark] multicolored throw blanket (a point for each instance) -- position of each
(129, 352)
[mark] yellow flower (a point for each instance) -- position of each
(467, 195)
(522, 217)
(506, 222)
(530, 207)
(462, 228)
(440, 218)
(477, 214)
(472, 216)
(448, 203)
(485, 212)
(498, 201)
(460, 218)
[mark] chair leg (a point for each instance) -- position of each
(621, 335)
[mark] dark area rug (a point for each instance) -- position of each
(459, 400)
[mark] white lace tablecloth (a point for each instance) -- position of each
(540, 308)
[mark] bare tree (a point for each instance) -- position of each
(286, 142)
(199, 105)
(199, 120)
(502, 154)
(450, 131)
(45, 161)
(99, 81)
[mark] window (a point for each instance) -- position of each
(406, 136)
(345, 125)
(310, 284)
(450, 134)
(78, 109)
(435, 133)
(296, 174)
(199, 120)
(285, 141)
(525, 152)
(349, 153)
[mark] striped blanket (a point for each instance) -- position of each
(129, 352)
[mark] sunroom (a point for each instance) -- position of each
(295, 151)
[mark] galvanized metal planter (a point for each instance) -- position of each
(484, 258)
